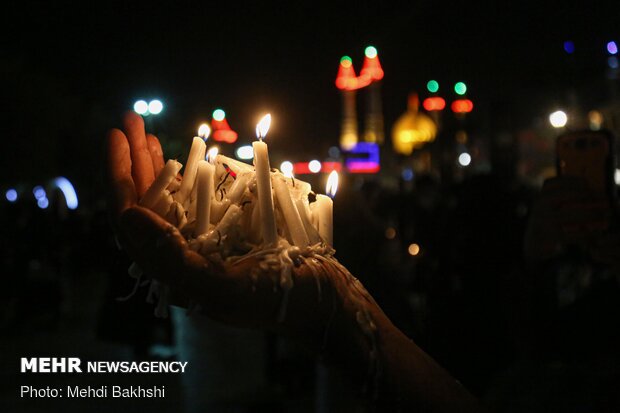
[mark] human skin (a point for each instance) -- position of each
(324, 306)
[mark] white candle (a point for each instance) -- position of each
(165, 177)
(324, 210)
(218, 209)
(237, 189)
(204, 198)
(263, 185)
(289, 210)
(196, 154)
(304, 214)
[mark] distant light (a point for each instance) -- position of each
(141, 107)
(314, 166)
(460, 88)
(219, 115)
(43, 202)
(596, 119)
(245, 152)
(156, 106)
(68, 191)
(365, 159)
(334, 152)
(390, 233)
(11, 195)
(414, 249)
(464, 159)
(612, 62)
(558, 119)
(38, 192)
(331, 166)
(569, 47)
(287, 169)
(612, 47)
(432, 86)
(434, 103)
(370, 52)
(462, 106)
(346, 61)
(617, 177)
(407, 174)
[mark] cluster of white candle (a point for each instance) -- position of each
(227, 206)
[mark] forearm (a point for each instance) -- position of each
(397, 373)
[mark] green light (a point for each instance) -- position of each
(370, 52)
(432, 86)
(219, 114)
(346, 61)
(460, 88)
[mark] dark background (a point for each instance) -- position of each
(69, 70)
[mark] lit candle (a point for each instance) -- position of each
(324, 209)
(196, 153)
(289, 210)
(204, 198)
(263, 183)
(165, 177)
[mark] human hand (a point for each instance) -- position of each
(237, 294)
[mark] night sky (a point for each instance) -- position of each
(70, 71)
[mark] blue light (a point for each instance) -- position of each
(612, 61)
(569, 47)
(68, 191)
(43, 202)
(407, 174)
(38, 192)
(11, 195)
(334, 152)
(612, 47)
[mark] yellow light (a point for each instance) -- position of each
(263, 126)
(332, 184)
(204, 131)
(414, 249)
(390, 233)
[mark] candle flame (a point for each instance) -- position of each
(263, 126)
(332, 184)
(212, 153)
(204, 131)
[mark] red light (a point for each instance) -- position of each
(434, 103)
(222, 131)
(331, 166)
(301, 168)
(462, 106)
(372, 68)
(227, 136)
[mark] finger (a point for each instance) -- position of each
(157, 154)
(120, 184)
(141, 163)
